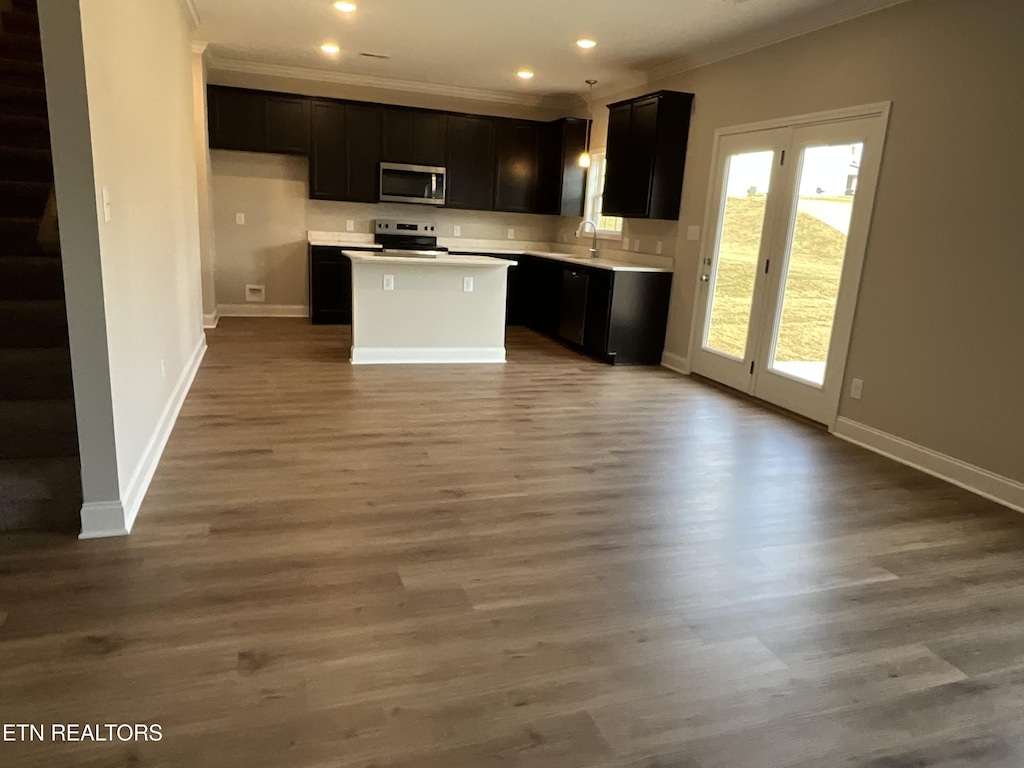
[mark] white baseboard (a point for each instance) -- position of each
(676, 363)
(414, 355)
(262, 310)
(100, 519)
(103, 520)
(210, 321)
(991, 486)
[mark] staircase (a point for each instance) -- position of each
(40, 485)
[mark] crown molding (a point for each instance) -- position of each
(222, 63)
(191, 13)
(816, 20)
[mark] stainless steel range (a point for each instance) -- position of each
(404, 238)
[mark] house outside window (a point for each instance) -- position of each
(609, 227)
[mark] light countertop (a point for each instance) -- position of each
(446, 260)
(343, 240)
(583, 261)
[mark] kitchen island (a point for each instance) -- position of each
(443, 309)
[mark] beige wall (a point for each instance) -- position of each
(204, 178)
(939, 327)
(139, 79)
(270, 249)
(122, 110)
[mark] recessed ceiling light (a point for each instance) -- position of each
(331, 49)
(345, 7)
(525, 74)
(586, 44)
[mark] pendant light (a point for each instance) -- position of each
(584, 161)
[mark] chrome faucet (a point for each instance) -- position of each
(582, 228)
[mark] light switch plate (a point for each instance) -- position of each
(659, 248)
(625, 243)
(511, 233)
(467, 284)
(350, 226)
(636, 245)
(857, 389)
(240, 219)
(389, 282)
(693, 234)
(458, 231)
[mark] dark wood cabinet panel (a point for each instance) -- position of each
(646, 155)
(563, 183)
(237, 119)
(328, 165)
(363, 147)
(430, 138)
(615, 316)
(618, 174)
(345, 152)
(414, 136)
(518, 166)
(330, 286)
(470, 162)
(288, 125)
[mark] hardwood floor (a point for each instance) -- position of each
(550, 564)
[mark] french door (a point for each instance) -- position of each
(787, 228)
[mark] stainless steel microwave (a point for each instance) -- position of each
(423, 184)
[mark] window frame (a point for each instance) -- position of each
(595, 197)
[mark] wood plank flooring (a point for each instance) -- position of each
(550, 564)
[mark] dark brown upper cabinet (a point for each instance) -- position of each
(345, 151)
(563, 184)
(470, 162)
(255, 121)
(518, 165)
(414, 136)
(646, 155)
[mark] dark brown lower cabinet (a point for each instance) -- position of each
(619, 317)
(330, 285)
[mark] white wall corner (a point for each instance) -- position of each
(1002, 490)
(210, 321)
(676, 363)
(262, 310)
(133, 496)
(102, 520)
(191, 13)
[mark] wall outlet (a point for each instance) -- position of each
(625, 243)
(389, 282)
(106, 205)
(350, 226)
(511, 234)
(659, 248)
(636, 245)
(857, 389)
(240, 219)
(467, 284)
(458, 231)
(693, 234)
(256, 293)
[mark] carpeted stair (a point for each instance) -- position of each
(40, 484)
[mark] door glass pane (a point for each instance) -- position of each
(828, 185)
(739, 246)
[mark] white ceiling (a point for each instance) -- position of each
(479, 44)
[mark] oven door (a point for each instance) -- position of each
(420, 184)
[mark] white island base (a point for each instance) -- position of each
(449, 309)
